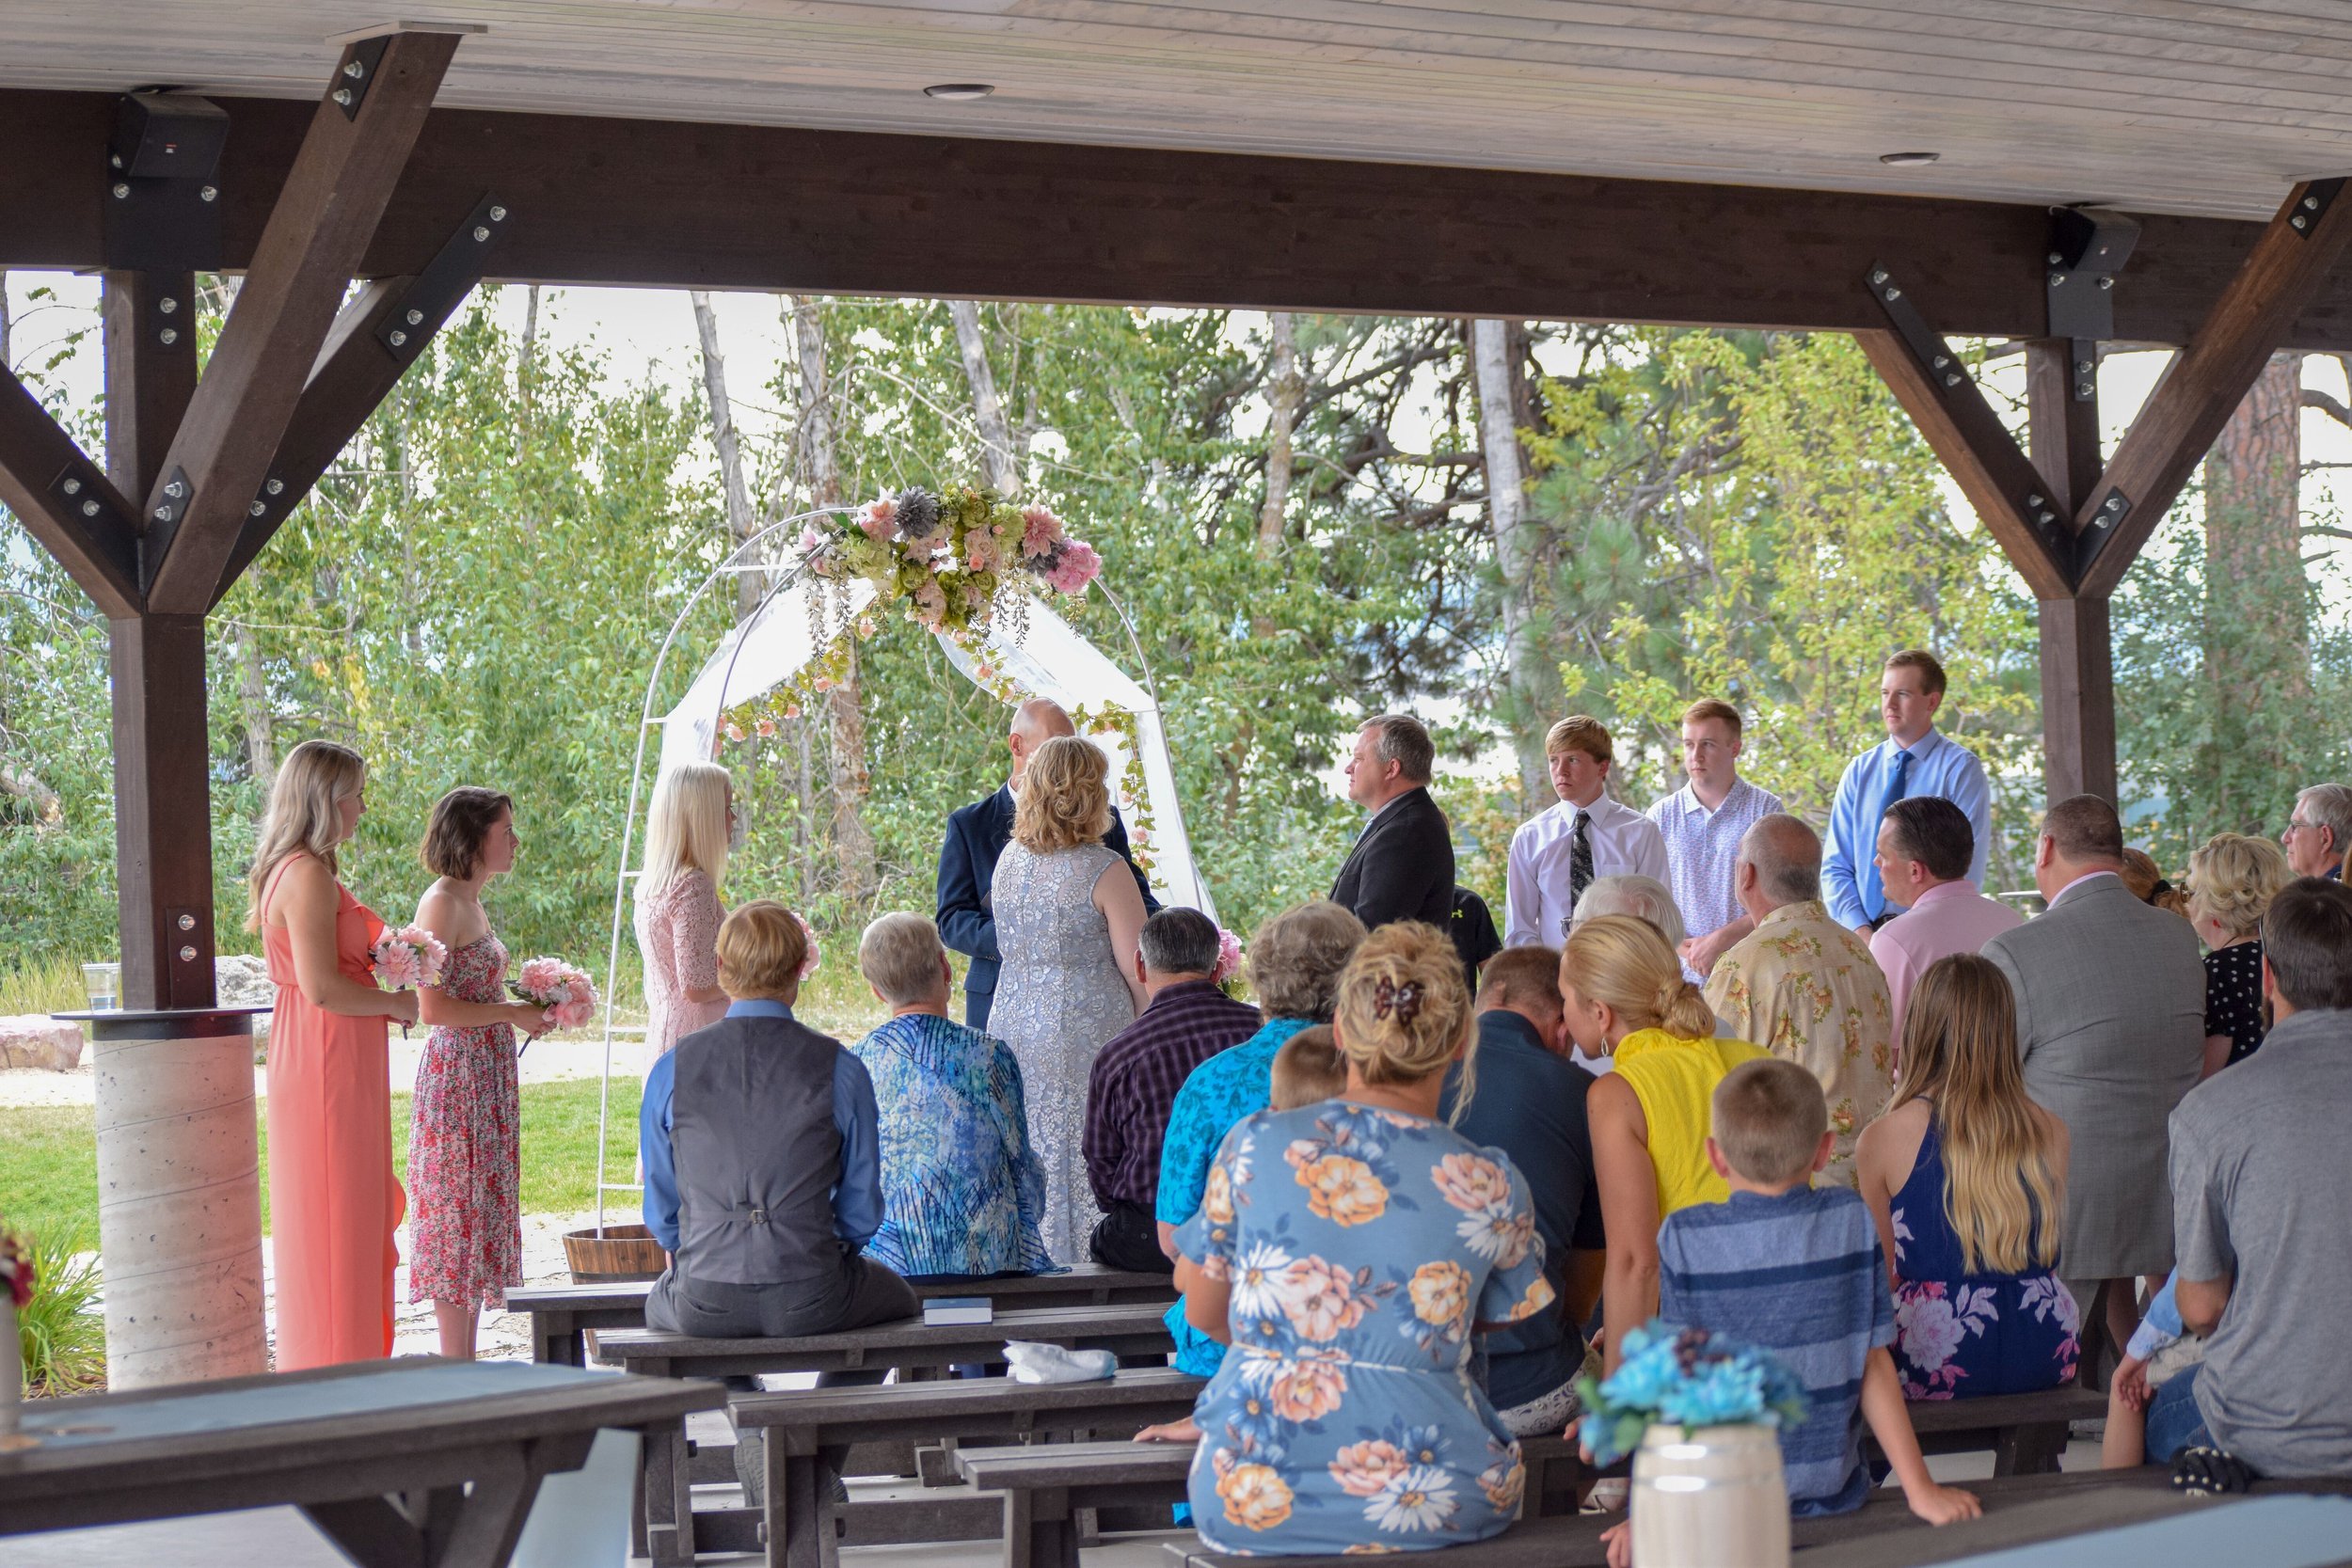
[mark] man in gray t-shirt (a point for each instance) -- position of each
(2259, 1169)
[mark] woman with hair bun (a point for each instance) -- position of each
(1346, 1251)
(334, 1202)
(2231, 881)
(1623, 995)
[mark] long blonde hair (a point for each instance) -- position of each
(1624, 962)
(1063, 802)
(687, 828)
(2001, 1191)
(301, 817)
(1405, 1009)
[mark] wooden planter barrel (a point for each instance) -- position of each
(613, 1255)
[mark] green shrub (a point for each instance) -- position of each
(60, 1332)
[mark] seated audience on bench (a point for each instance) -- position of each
(1347, 1251)
(1294, 964)
(762, 1173)
(1530, 1103)
(2231, 881)
(1132, 1085)
(2161, 1347)
(1308, 1070)
(1797, 1270)
(1964, 1176)
(2260, 1161)
(1623, 995)
(962, 1189)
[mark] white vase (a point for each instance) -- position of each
(1709, 1498)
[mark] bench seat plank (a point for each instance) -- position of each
(1131, 1328)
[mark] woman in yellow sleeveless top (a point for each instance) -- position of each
(1625, 996)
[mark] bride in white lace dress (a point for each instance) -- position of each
(1067, 932)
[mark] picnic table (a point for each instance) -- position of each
(417, 1463)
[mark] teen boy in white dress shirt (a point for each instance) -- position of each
(1557, 855)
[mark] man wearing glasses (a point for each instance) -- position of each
(2318, 831)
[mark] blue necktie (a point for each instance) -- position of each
(1873, 890)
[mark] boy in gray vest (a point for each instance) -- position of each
(763, 1173)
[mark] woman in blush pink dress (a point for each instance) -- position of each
(465, 1144)
(694, 825)
(334, 1202)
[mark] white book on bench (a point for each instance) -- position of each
(959, 1309)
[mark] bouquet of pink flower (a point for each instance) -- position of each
(564, 989)
(407, 956)
(1228, 956)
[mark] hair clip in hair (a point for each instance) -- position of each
(1403, 1001)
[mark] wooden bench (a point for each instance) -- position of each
(1045, 1487)
(801, 1518)
(1131, 1328)
(562, 1314)
(2026, 1432)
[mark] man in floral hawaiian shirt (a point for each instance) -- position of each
(1805, 988)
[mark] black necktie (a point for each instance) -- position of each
(1580, 865)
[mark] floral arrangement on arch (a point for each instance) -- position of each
(1684, 1377)
(948, 558)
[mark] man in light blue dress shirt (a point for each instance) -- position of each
(1914, 759)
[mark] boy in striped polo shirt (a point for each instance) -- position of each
(1798, 1273)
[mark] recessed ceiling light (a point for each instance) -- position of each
(960, 92)
(1908, 160)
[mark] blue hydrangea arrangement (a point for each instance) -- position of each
(1684, 1377)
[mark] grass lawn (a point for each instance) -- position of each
(49, 1156)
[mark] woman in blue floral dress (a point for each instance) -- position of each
(1347, 1251)
(1965, 1176)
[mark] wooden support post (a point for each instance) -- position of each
(150, 373)
(2077, 653)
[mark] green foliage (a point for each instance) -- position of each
(61, 1331)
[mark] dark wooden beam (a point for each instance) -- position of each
(2077, 699)
(318, 231)
(149, 324)
(1979, 452)
(2290, 266)
(677, 204)
(162, 811)
(63, 499)
(2062, 429)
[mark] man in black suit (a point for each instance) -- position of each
(1402, 867)
(977, 835)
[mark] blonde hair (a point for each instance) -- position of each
(1767, 1117)
(761, 948)
(900, 955)
(301, 819)
(1063, 802)
(687, 828)
(1580, 732)
(2232, 878)
(1405, 1009)
(1624, 962)
(2002, 1193)
(1308, 1070)
(1296, 958)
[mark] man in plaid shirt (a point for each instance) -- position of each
(1136, 1076)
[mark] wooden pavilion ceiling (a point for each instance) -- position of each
(2157, 105)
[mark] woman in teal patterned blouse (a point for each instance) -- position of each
(1347, 1251)
(962, 1189)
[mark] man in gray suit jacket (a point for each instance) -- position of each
(2110, 1024)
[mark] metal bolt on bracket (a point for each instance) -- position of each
(2045, 517)
(498, 214)
(121, 190)
(354, 70)
(2033, 501)
(89, 508)
(2082, 389)
(2057, 279)
(166, 305)
(2311, 204)
(1952, 380)
(162, 513)
(72, 487)
(480, 233)
(208, 193)
(1941, 360)
(175, 489)
(187, 954)
(2055, 258)
(2107, 282)
(167, 337)
(343, 96)
(415, 317)
(187, 923)
(398, 339)
(276, 486)
(255, 510)
(2299, 221)
(1878, 276)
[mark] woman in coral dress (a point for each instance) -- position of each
(465, 1144)
(334, 1202)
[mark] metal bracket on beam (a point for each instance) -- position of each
(2316, 201)
(445, 280)
(2099, 530)
(171, 505)
(163, 193)
(81, 488)
(2089, 245)
(356, 74)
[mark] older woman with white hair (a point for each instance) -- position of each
(1643, 898)
(692, 827)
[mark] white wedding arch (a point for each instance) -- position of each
(1030, 653)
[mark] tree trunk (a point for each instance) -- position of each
(525, 362)
(997, 467)
(2257, 631)
(6, 361)
(1500, 401)
(1286, 392)
(260, 738)
(741, 525)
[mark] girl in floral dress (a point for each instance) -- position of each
(1347, 1251)
(465, 1145)
(1966, 1178)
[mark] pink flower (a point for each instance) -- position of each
(931, 605)
(734, 731)
(979, 551)
(811, 540)
(880, 520)
(407, 956)
(1140, 838)
(1228, 955)
(564, 990)
(866, 625)
(822, 683)
(766, 726)
(1040, 530)
(792, 712)
(1076, 566)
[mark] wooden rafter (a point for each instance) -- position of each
(150, 373)
(318, 231)
(2287, 268)
(62, 497)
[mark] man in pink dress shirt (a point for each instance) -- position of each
(1925, 849)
